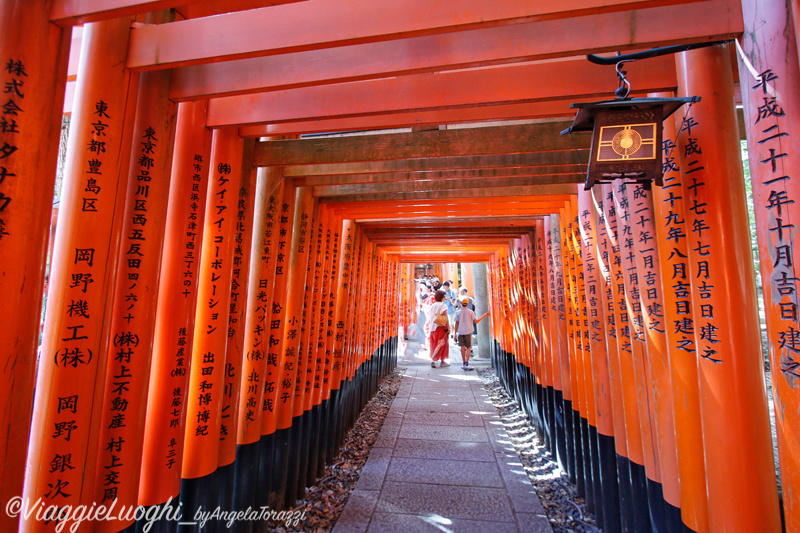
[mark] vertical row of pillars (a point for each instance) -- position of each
(212, 331)
(628, 328)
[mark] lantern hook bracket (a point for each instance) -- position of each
(624, 88)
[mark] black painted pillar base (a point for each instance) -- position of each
(658, 516)
(162, 518)
(245, 482)
(586, 463)
(627, 521)
(293, 461)
(560, 430)
(597, 486)
(609, 482)
(197, 495)
(578, 457)
(673, 515)
(641, 506)
(279, 468)
(225, 489)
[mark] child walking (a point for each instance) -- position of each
(464, 324)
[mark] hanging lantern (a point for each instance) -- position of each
(626, 137)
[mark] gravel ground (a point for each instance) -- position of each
(325, 501)
(566, 511)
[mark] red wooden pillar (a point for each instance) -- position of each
(639, 516)
(545, 341)
(128, 354)
(277, 315)
(296, 292)
(669, 211)
(334, 234)
(269, 187)
(207, 372)
(34, 55)
(611, 286)
(64, 433)
(651, 296)
(742, 492)
(342, 299)
(234, 350)
(603, 396)
(558, 334)
(308, 342)
(249, 456)
(769, 74)
(164, 427)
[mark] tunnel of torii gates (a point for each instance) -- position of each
(225, 290)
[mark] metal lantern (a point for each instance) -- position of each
(626, 138)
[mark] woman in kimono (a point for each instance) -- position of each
(439, 329)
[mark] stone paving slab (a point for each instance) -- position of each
(447, 407)
(474, 503)
(442, 463)
(357, 513)
(444, 419)
(445, 472)
(374, 471)
(435, 449)
(410, 430)
(434, 523)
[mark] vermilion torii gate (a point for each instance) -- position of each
(225, 287)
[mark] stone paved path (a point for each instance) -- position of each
(442, 462)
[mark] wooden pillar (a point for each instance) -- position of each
(669, 209)
(207, 372)
(268, 192)
(651, 297)
(289, 356)
(277, 315)
(34, 56)
(234, 350)
(342, 299)
(648, 411)
(274, 467)
(334, 234)
(769, 74)
(636, 476)
(65, 433)
(731, 369)
(603, 396)
(612, 286)
(559, 334)
(164, 427)
(128, 354)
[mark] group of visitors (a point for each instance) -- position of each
(447, 313)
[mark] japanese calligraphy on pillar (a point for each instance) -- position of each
(207, 390)
(330, 316)
(9, 132)
(276, 314)
(776, 198)
(138, 270)
(182, 339)
(707, 330)
(254, 379)
(189, 257)
(669, 206)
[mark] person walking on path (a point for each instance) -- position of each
(465, 323)
(450, 301)
(438, 325)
